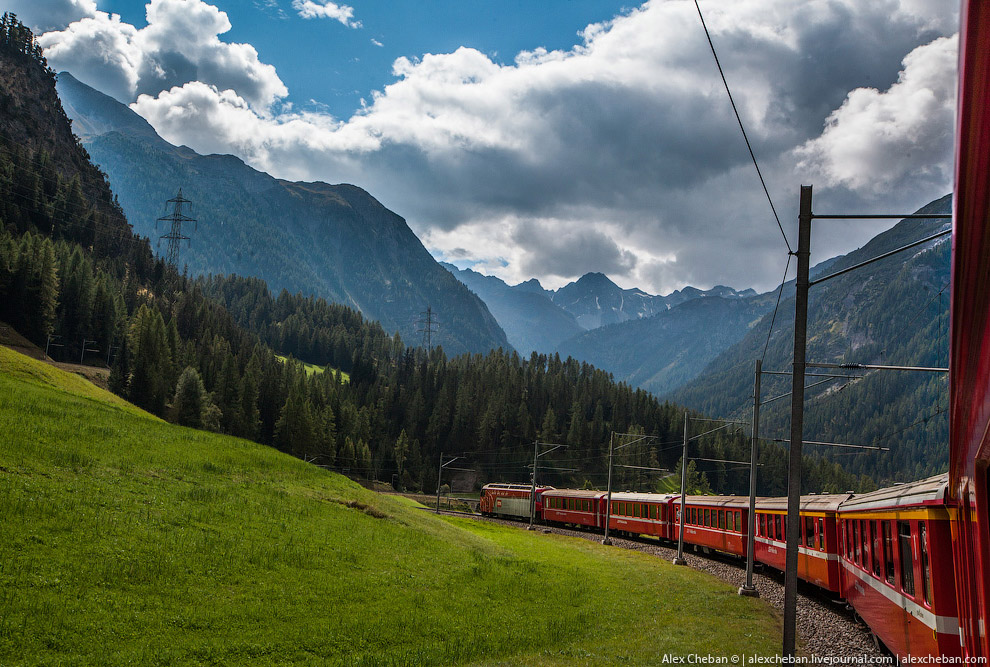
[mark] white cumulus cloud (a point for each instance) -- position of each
(180, 44)
(324, 9)
(878, 139)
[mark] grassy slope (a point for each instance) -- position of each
(129, 540)
(313, 368)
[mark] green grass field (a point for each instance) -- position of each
(313, 368)
(126, 540)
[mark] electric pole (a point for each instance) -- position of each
(175, 220)
(427, 324)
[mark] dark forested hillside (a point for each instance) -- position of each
(892, 312)
(333, 241)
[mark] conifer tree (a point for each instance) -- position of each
(187, 406)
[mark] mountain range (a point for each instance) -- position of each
(541, 320)
(332, 241)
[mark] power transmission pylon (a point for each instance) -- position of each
(174, 236)
(427, 324)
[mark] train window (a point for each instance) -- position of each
(763, 525)
(809, 531)
(706, 521)
(926, 582)
(864, 537)
(888, 553)
(857, 545)
(821, 533)
(654, 511)
(721, 519)
(636, 510)
(776, 526)
(906, 554)
(877, 548)
(732, 521)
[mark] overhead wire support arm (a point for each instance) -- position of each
(701, 435)
(879, 257)
(814, 375)
(720, 421)
(880, 367)
(838, 444)
(880, 216)
(810, 386)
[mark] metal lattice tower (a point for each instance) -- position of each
(427, 327)
(174, 236)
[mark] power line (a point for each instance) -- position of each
(743, 129)
(780, 291)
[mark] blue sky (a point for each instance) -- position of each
(550, 139)
(338, 66)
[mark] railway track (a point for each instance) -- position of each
(825, 627)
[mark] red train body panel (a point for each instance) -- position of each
(891, 541)
(818, 550)
(713, 522)
(969, 346)
(574, 507)
(641, 514)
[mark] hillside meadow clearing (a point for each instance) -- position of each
(127, 540)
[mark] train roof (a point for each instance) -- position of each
(931, 491)
(718, 501)
(811, 503)
(520, 487)
(626, 496)
(576, 493)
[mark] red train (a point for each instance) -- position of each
(969, 334)
(877, 550)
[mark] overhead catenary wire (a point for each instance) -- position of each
(742, 127)
(773, 318)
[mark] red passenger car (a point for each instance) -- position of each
(895, 547)
(712, 522)
(818, 549)
(641, 514)
(510, 500)
(585, 509)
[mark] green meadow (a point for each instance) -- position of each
(127, 540)
(313, 368)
